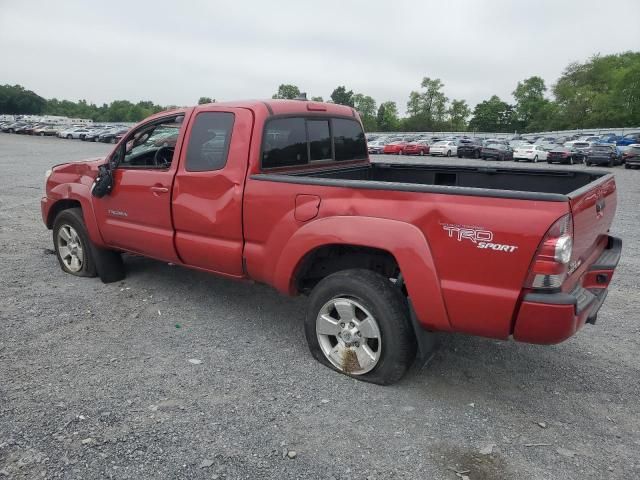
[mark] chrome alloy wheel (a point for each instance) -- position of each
(349, 336)
(70, 248)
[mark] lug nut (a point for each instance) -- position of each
(351, 325)
(356, 344)
(359, 334)
(342, 325)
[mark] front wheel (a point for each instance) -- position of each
(358, 324)
(72, 244)
(535, 159)
(448, 153)
(627, 166)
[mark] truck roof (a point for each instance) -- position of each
(275, 107)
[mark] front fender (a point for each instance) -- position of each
(404, 241)
(81, 193)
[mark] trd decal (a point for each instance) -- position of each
(482, 238)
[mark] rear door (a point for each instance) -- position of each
(208, 189)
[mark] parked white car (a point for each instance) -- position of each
(445, 148)
(529, 153)
(74, 132)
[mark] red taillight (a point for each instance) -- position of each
(551, 262)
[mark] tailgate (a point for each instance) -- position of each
(593, 208)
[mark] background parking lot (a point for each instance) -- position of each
(174, 373)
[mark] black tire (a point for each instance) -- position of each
(69, 137)
(484, 158)
(535, 159)
(72, 217)
(389, 308)
(448, 153)
(113, 140)
(42, 134)
(476, 154)
(610, 163)
(549, 162)
(98, 261)
(627, 166)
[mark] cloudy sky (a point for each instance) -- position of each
(175, 52)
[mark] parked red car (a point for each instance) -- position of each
(282, 192)
(395, 148)
(416, 148)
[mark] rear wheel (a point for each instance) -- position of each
(421, 153)
(627, 166)
(69, 137)
(448, 153)
(535, 159)
(42, 134)
(358, 324)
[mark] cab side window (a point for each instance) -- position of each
(209, 141)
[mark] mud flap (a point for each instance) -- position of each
(426, 341)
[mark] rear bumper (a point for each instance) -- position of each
(548, 318)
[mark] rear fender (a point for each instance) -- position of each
(402, 240)
(80, 193)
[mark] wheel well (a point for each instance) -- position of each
(328, 259)
(58, 207)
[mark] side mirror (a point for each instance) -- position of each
(103, 183)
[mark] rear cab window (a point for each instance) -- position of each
(298, 141)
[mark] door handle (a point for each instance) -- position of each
(159, 190)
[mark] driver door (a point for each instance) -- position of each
(136, 215)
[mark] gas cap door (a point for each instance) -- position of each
(307, 207)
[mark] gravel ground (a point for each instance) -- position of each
(173, 373)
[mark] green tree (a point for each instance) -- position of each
(342, 97)
(15, 99)
(493, 115)
(387, 118)
(458, 113)
(287, 91)
(366, 107)
(602, 92)
(530, 102)
(427, 109)
(203, 100)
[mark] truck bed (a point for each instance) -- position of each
(528, 184)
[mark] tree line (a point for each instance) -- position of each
(602, 92)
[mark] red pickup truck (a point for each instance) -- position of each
(283, 193)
